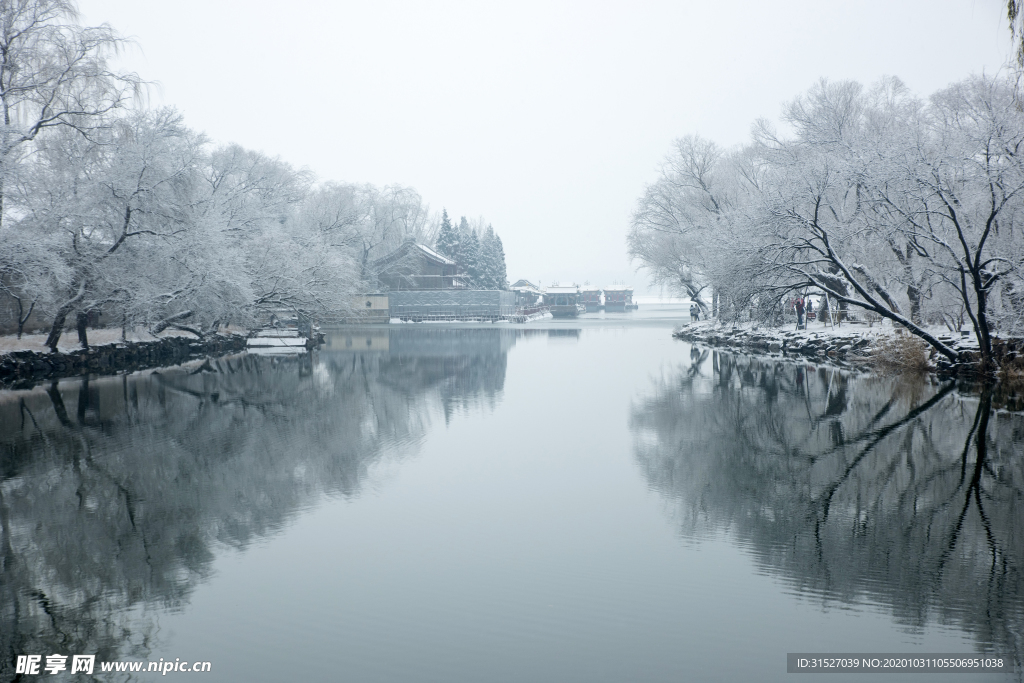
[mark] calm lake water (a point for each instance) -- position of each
(588, 500)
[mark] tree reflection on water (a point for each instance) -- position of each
(116, 492)
(850, 488)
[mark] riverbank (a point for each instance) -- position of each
(27, 366)
(849, 345)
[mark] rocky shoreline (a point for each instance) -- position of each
(848, 347)
(23, 368)
(840, 349)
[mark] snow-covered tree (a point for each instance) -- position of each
(500, 273)
(488, 260)
(492, 261)
(96, 199)
(33, 273)
(447, 242)
(127, 212)
(468, 255)
(849, 208)
(962, 208)
(393, 214)
(902, 208)
(688, 227)
(53, 74)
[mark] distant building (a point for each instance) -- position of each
(479, 305)
(416, 266)
(368, 308)
(618, 298)
(527, 293)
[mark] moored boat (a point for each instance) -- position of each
(590, 297)
(618, 298)
(564, 302)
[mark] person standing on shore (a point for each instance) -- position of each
(799, 313)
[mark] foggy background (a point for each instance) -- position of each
(547, 118)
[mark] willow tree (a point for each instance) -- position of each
(687, 229)
(53, 74)
(115, 210)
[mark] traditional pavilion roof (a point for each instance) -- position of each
(524, 284)
(434, 255)
(412, 245)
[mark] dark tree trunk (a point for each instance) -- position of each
(56, 329)
(58, 404)
(22, 316)
(914, 294)
(61, 317)
(982, 329)
(185, 328)
(170, 321)
(979, 282)
(83, 400)
(81, 323)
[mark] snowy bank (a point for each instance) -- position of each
(848, 345)
(27, 367)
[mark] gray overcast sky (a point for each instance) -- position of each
(547, 118)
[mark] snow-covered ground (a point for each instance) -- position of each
(69, 340)
(847, 342)
(818, 330)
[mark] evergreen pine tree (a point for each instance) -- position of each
(488, 260)
(469, 252)
(480, 256)
(500, 272)
(447, 243)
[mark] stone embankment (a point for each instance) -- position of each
(27, 367)
(848, 346)
(840, 346)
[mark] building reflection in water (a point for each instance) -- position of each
(117, 492)
(850, 488)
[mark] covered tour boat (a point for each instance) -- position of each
(564, 302)
(618, 298)
(590, 297)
